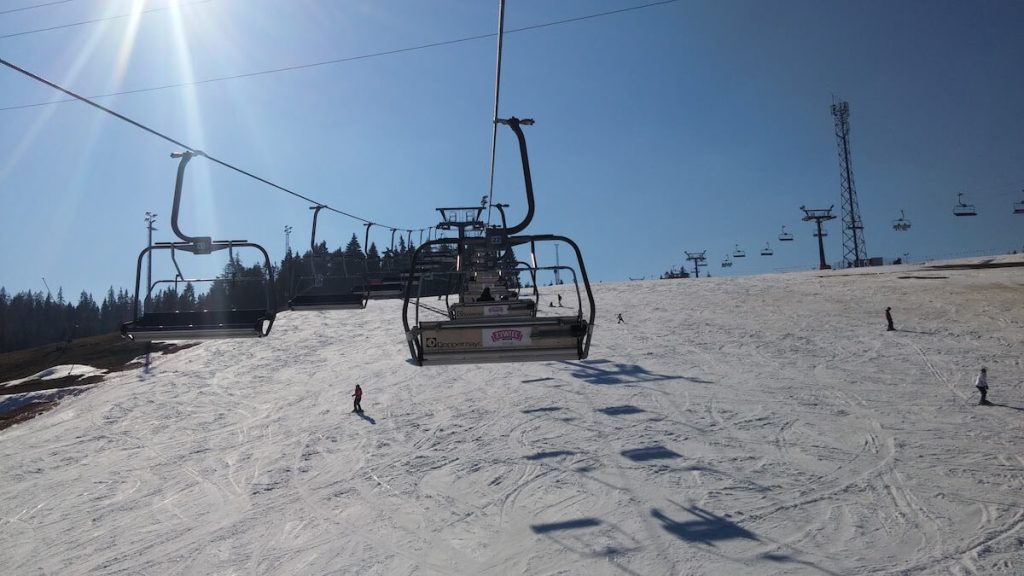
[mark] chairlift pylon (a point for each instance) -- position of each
(228, 321)
(962, 209)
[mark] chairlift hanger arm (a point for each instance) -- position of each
(184, 158)
(515, 123)
(312, 237)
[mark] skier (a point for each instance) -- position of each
(982, 385)
(621, 321)
(888, 318)
(559, 300)
(358, 395)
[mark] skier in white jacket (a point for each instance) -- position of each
(982, 385)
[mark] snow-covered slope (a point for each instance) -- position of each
(752, 425)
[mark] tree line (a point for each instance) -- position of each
(30, 319)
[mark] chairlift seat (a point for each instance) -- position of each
(353, 301)
(502, 308)
(1018, 207)
(200, 325)
(490, 340)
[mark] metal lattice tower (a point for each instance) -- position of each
(854, 249)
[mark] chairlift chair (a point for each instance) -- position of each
(901, 224)
(726, 262)
(1018, 207)
(386, 283)
(737, 253)
(962, 209)
(321, 291)
(462, 337)
(785, 236)
(767, 250)
(227, 322)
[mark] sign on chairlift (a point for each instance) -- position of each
(202, 245)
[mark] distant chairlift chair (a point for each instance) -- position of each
(737, 253)
(322, 292)
(385, 284)
(202, 324)
(1018, 207)
(962, 209)
(901, 224)
(767, 250)
(785, 236)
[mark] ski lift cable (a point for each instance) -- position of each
(497, 95)
(176, 142)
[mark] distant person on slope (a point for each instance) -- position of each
(621, 321)
(358, 395)
(888, 318)
(982, 385)
(559, 300)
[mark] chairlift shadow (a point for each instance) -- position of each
(622, 373)
(708, 528)
(542, 409)
(567, 525)
(620, 410)
(551, 454)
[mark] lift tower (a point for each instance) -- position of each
(854, 250)
(698, 260)
(819, 216)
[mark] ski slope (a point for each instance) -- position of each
(744, 425)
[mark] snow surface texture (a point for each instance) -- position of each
(751, 425)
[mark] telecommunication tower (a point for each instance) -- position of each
(854, 250)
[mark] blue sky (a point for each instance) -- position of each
(692, 125)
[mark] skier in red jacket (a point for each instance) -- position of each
(358, 395)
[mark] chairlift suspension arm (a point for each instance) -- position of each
(178, 183)
(514, 123)
(312, 239)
